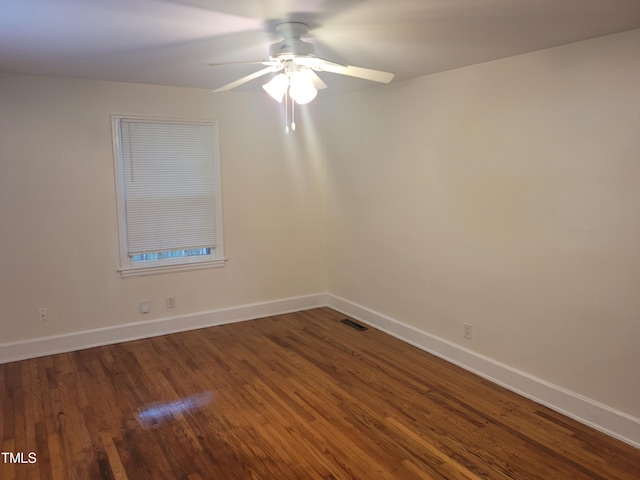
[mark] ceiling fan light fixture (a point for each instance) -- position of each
(277, 87)
(302, 90)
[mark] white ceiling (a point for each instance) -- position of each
(170, 42)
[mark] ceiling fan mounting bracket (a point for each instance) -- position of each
(292, 45)
(292, 29)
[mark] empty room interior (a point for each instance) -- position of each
(464, 190)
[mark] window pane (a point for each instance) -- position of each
(193, 252)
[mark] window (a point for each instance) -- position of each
(168, 194)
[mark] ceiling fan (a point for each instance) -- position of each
(297, 63)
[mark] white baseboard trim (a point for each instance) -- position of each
(38, 347)
(585, 410)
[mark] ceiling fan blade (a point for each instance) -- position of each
(317, 81)
(248, 78)
(256, 62)
(358, 72)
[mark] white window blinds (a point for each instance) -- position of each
(169, 173)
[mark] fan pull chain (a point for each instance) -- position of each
(286, 111)
(293, 115)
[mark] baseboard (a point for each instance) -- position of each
(585, 410)
(39, 347)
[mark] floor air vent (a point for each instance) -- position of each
(354, 324)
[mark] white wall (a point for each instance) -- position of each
(506, 195)
(59, 241)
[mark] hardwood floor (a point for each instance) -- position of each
(297, 396)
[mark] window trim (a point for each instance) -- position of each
(180, 264)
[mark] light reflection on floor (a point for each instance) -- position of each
(157, 412)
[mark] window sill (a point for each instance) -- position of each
(183, 267)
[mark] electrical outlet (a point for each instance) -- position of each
(171, 301)
(467, 331)
(42, 314)
(145, 306)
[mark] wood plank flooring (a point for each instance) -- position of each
(296, 396)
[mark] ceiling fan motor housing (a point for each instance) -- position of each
(292, 45)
